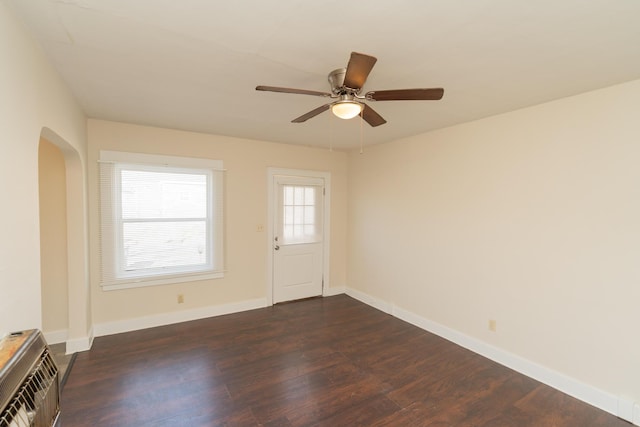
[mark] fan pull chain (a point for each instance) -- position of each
(330, 132)
(361, 138)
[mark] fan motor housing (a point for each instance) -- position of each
(336, 80)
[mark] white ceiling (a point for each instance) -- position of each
(194, 64)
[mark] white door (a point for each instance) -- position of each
(298, 238)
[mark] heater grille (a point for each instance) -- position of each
(29, 386)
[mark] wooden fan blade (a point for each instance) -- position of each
(289, 90)
(310, 114)
(358, 70)
(432, 94)
(371, 117)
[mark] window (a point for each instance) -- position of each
(300, 204)
(161, 219)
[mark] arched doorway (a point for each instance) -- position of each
(66, 170)
(53, 242)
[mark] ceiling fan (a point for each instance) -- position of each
(346, 85)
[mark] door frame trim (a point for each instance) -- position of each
(272, 173)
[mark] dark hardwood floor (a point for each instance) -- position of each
(321, 362)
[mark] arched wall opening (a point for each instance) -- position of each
(53, 242)
(60, 158)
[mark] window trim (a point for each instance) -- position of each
(111, 262)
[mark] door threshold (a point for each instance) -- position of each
(299, 300)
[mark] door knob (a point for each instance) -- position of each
(277, 248)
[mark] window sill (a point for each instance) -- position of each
(141, 283)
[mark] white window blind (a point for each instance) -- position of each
(161, 219)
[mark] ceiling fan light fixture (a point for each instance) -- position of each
(346, 109)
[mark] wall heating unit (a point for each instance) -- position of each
(29, 386)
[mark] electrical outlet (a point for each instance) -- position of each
(260, 228)
(180, 298)
(492, 325)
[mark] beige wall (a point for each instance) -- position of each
(34, 101)
(53, 237)
(531, 218)
(246, 207)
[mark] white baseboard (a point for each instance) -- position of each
(625, 408)
(589, 394)
(369, 300)
(76, 345)
(56, 337)
(128, 325)
(333, 291)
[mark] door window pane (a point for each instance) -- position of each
(300, 215)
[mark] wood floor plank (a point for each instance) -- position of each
(364, 413)
(320, 362)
